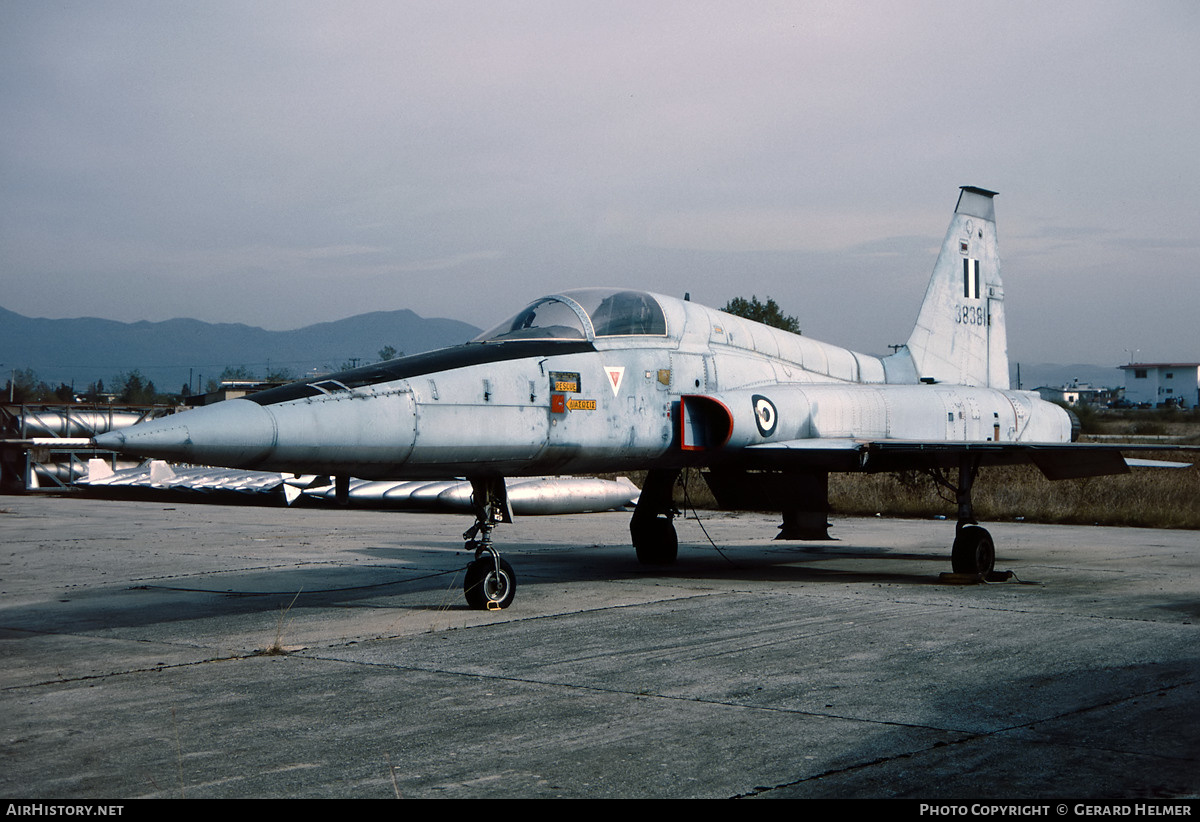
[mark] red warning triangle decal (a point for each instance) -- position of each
(615, 374)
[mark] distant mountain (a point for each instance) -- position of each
(86, 349)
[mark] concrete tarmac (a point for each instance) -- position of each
(134, 641)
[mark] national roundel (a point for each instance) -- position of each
(765, 416)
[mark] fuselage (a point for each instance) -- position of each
(590, 381)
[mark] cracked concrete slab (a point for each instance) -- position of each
(132, 636)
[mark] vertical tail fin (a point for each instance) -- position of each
(959, 337)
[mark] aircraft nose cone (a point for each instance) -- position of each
(234, 433)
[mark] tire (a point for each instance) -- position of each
(973, 551)
(486, 590)
(655, 541)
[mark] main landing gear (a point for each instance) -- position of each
(973, 551)
(490, 583)
(652, 529)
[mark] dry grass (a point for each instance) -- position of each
(1181, 426)
(277, 648)
(1145, 497)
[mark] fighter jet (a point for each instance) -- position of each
(610, 379)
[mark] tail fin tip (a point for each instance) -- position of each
(976, 202)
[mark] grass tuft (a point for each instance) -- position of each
(276, 648)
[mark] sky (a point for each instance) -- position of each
(285, 163)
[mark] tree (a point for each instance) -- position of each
(279, 374)
(134, 389)
(240, 372)
(767, 313)
(389, 352)
(95, 391)
(24, 386)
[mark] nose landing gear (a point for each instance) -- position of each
(490, 584)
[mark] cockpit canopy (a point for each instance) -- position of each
(583, 314)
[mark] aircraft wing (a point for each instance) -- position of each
(1055, 460)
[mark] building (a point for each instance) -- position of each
(1163, 383)
(1077, 393)
(1066, 395)
(230, 390)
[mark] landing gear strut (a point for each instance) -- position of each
(973, 551)
(490, 583)
(652, 529)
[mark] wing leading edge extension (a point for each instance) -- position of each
(1055, 460)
